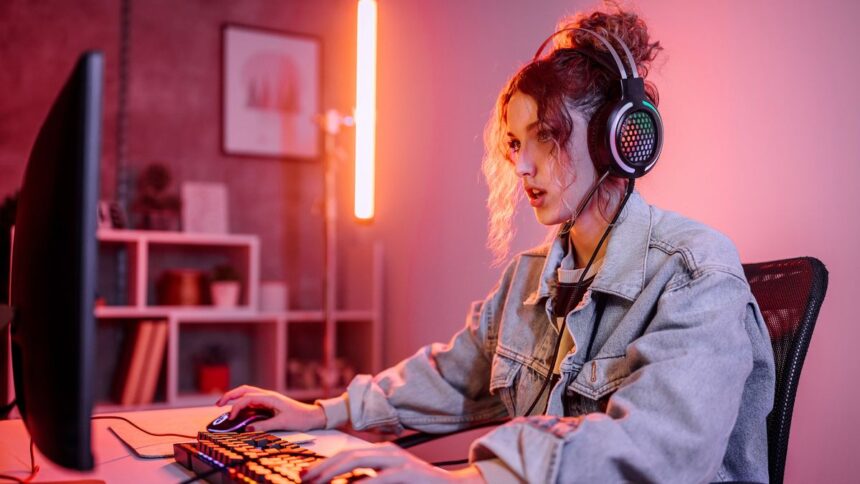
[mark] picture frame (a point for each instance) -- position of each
(270, 93)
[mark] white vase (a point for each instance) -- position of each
(225, 294)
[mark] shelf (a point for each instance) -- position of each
(263, 342)
(213, 314)
(196, 399)
(202, 399)
(204, 312)
(313, 316)
(354, 315)
(128, 312)
(164, 237)
(305, 316)
(308, 393)
(206, 400)
(111, 407)
(232, 317)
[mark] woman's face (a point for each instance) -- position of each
(553, 193)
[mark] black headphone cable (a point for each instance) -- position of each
(575, 297)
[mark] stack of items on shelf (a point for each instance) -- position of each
(143, 356)
(308, 374)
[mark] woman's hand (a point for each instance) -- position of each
(289, 414)
(392, 464)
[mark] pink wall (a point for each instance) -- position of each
(761, 144)
(39, 44)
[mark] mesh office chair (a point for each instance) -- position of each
(789, 293)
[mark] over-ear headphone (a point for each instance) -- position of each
(625, 134)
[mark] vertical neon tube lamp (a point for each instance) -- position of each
(365, 111)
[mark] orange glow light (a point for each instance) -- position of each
(365, 110)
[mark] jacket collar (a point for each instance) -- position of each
(624, 265)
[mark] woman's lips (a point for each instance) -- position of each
(536, 197)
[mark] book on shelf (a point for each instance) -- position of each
(153, 363)
(142, 358)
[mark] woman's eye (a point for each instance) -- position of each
(544, 135)
(513, 146)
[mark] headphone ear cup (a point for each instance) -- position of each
(625, 137)
(598, 138)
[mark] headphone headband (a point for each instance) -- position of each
(621, 70)
(596, 57)
(630, 59)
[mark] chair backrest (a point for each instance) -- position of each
(789, 293)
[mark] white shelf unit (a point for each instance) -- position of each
(144, 245)
(270, 330)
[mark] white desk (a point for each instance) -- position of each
(115, 464)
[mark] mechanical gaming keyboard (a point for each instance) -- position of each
(250, 457)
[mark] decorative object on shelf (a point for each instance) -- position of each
(311, 374)
(274, 296)
(271, 83)
(303, 374)
(213, 371)
(204, 208)
(180, 287)
(155, 208)
(345, 372)
(111, 215)
(225, 287)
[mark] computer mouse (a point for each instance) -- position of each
(247, 415)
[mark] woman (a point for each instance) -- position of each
(636, 357)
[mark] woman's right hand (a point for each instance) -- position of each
(289, 414)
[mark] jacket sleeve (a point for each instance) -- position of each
(670, 420)
(441, 388)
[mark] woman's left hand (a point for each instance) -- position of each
(392, 464)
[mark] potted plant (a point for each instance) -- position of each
(225, 287)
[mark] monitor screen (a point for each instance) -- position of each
(53, 273)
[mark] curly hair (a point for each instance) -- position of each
(560, 82)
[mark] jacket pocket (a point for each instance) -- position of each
(503, 376)
(517, 379)
(596, 382)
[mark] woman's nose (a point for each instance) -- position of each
(524, 165)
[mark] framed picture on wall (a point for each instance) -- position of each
(271, 93)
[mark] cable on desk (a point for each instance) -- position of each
(134, 451)
(138, 427)
(34, 469)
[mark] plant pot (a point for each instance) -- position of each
(225, 294)
(213, 378)
(181, 287)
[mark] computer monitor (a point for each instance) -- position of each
(53, 272)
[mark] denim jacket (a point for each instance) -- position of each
(677, 388)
